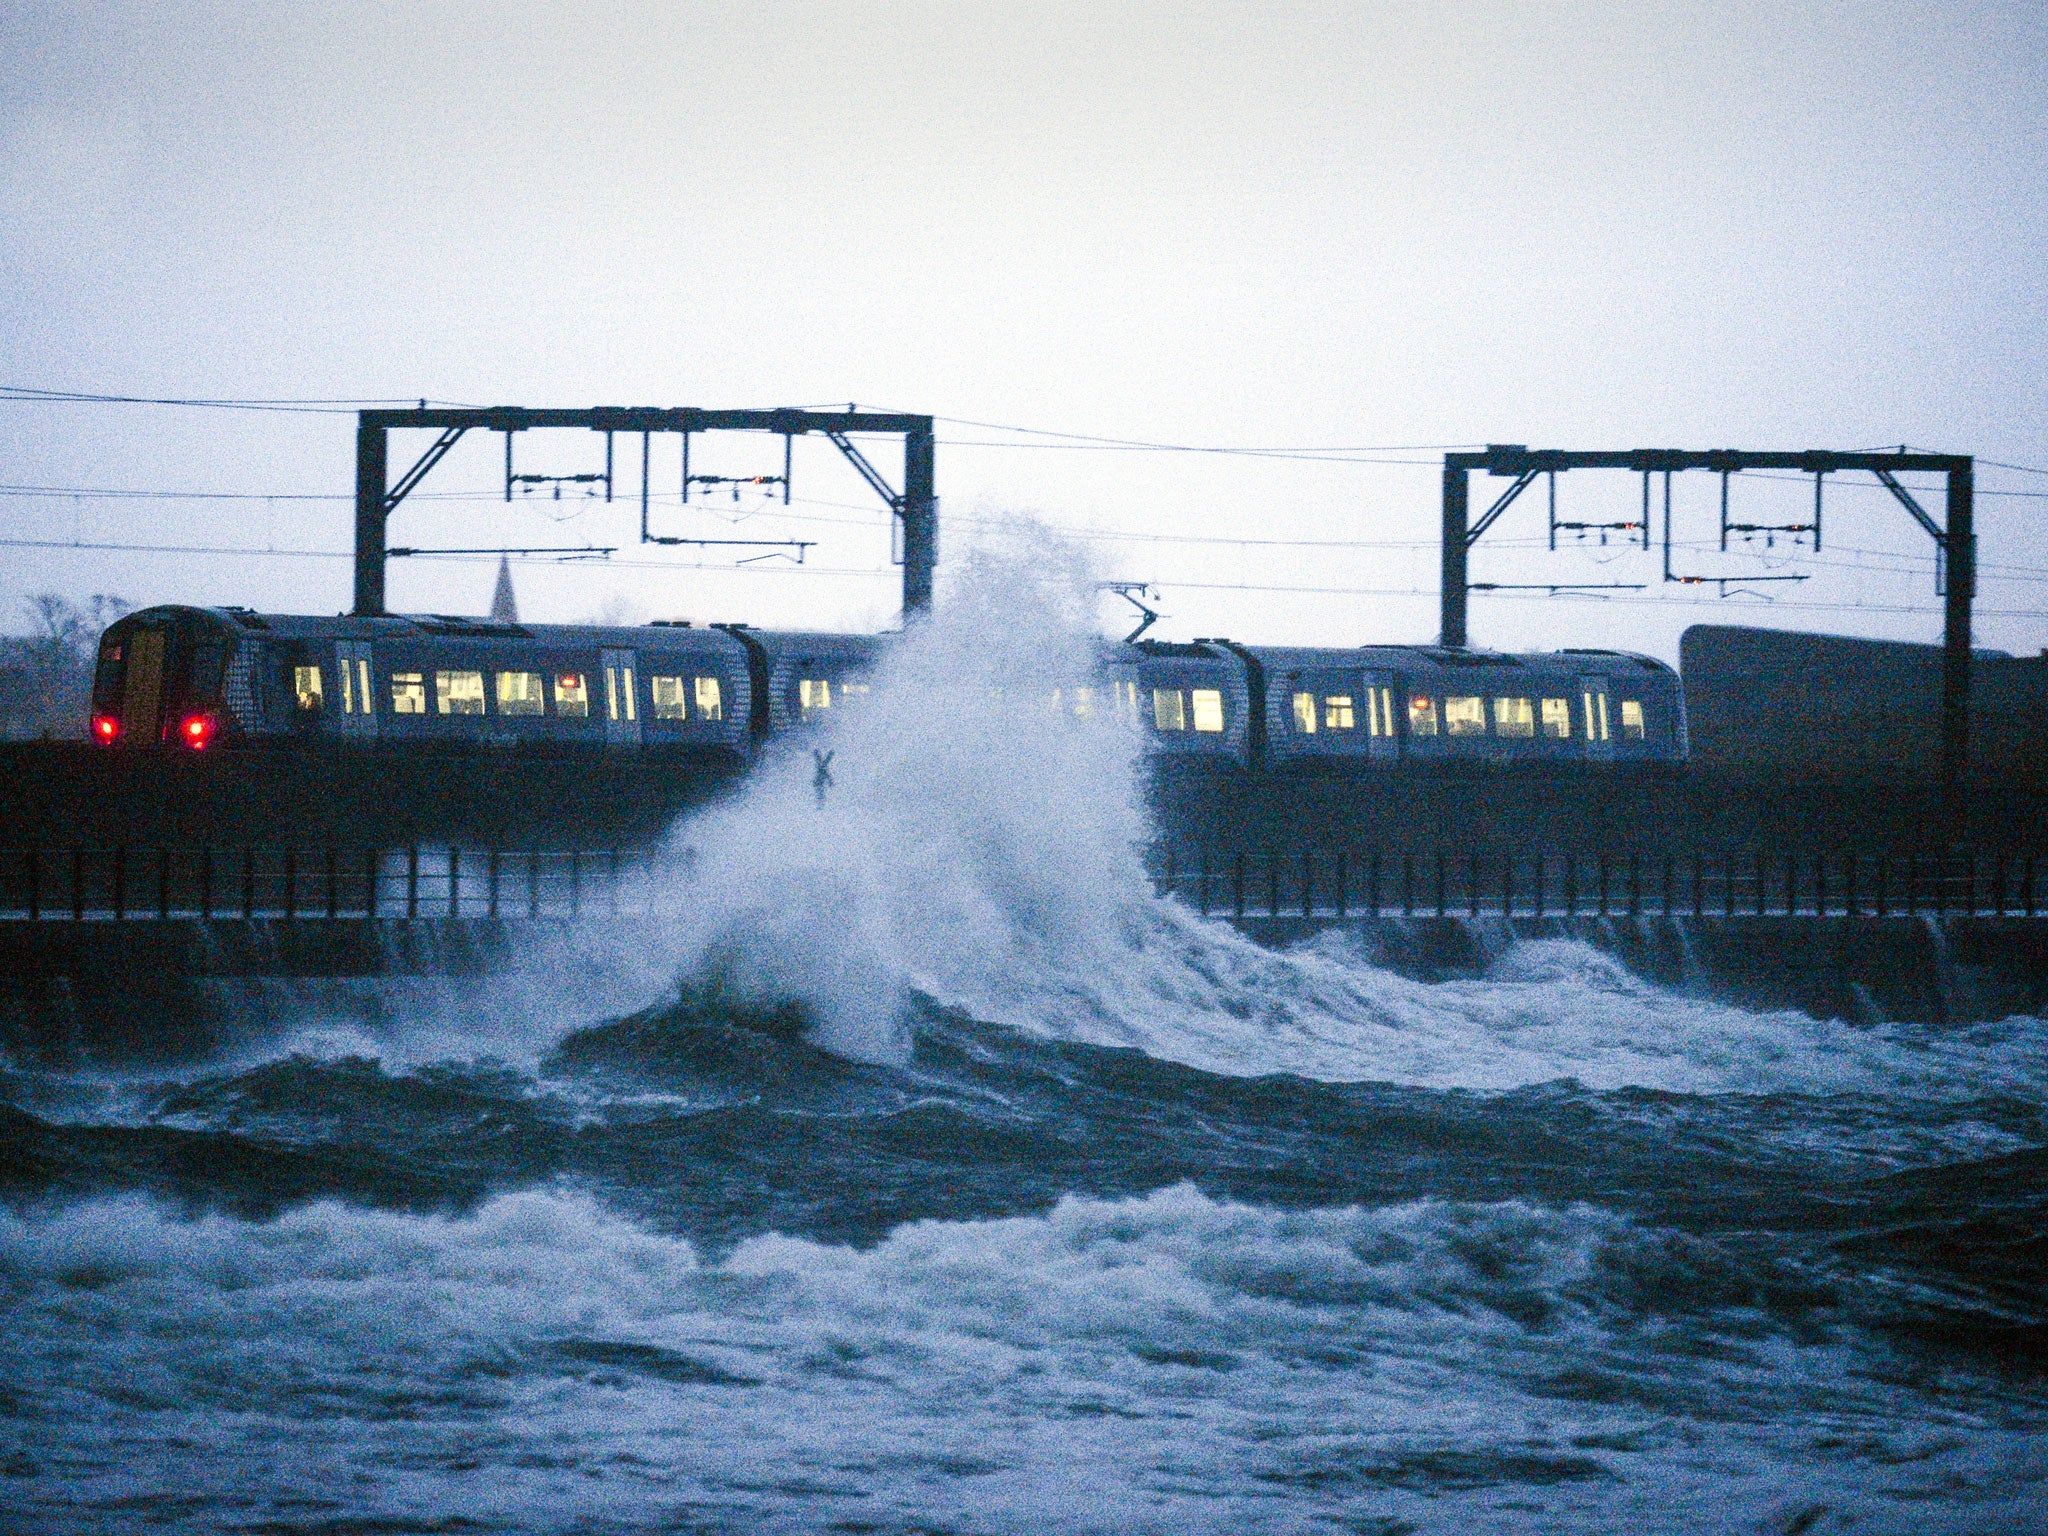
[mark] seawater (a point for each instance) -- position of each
(925, 1173)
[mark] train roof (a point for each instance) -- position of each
(1573, 660)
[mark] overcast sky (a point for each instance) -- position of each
(1376, 227)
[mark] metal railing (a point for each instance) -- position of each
(1509, 883)
(248, 882)
(429, 881)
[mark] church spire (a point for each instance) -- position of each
(504, 606)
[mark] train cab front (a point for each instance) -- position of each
(157, 682)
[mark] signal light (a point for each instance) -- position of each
(104, 729)
(197, 731)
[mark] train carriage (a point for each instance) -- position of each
(196, 677)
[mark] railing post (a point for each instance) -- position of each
(291, 882)
(248, 881)
(1272, 883)
(1602, 867)
(2000, 884)
(1820, 884)
(412, 880)
(1635, 884)
(1203, 876)
(35, 885)
(1507, 886)
(1472, 885)
(455, 882)
(206, 883)
(1343, 882)
(78, 885)
(1699, 883)
(575, 882)
(1541, 860)
(615, 883)
(1664, 905)
(1237, 884)
(1571, 885)
(1372, 881)
(1884, 884)
(491, 875)
(333, 872)
(120, 881)
(163, 885)
(2027, 884)
(1308, 883)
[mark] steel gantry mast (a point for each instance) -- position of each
(914, 507)
(1955, 539)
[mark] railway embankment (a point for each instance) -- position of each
(145, 987)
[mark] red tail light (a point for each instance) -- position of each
(104, 729)
(197, 731)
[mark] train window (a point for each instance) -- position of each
(1084, 703)
(1305, 713)
(519, 694)
(618, 693)
(1169, 709)
(813, 694)
(709, 705)
(1338, 714)
(1557, 719)
(408, 694)
(1208, 709)
(1631, 720)
(1421, 715)
(1514, 718)
(1379, 711)
(306, 687)
(459, 693)
(572, 696)
(348, 687)
(670, 702)
(1596, 716)
(1464, 715)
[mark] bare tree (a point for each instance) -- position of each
(46, 675)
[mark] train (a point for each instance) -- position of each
(197, 680)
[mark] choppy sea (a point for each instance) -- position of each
(926, 1174)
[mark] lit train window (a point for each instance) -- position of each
(1464, 715)
(1514, 718)
(519, 693)
(408, 694)
(848, 692)
(1557, 719)
(1126, 696)
(1379, 711)
(670, 702)
(618, 693)
(1421, 715)
(1208, 710)
(709, 705)
(1169, 710)
(572, 696)
(1596, 716)
(1631, 720)
(1305, 713)
(1337, 713)
(1084, 703)
(459, 693)
(306, 687)
(813, 694)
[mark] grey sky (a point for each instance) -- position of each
(1794, 225)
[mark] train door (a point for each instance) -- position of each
(621, 712)
(1379, 716)
(357, 694)
(1594, 712)
(142, 687)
